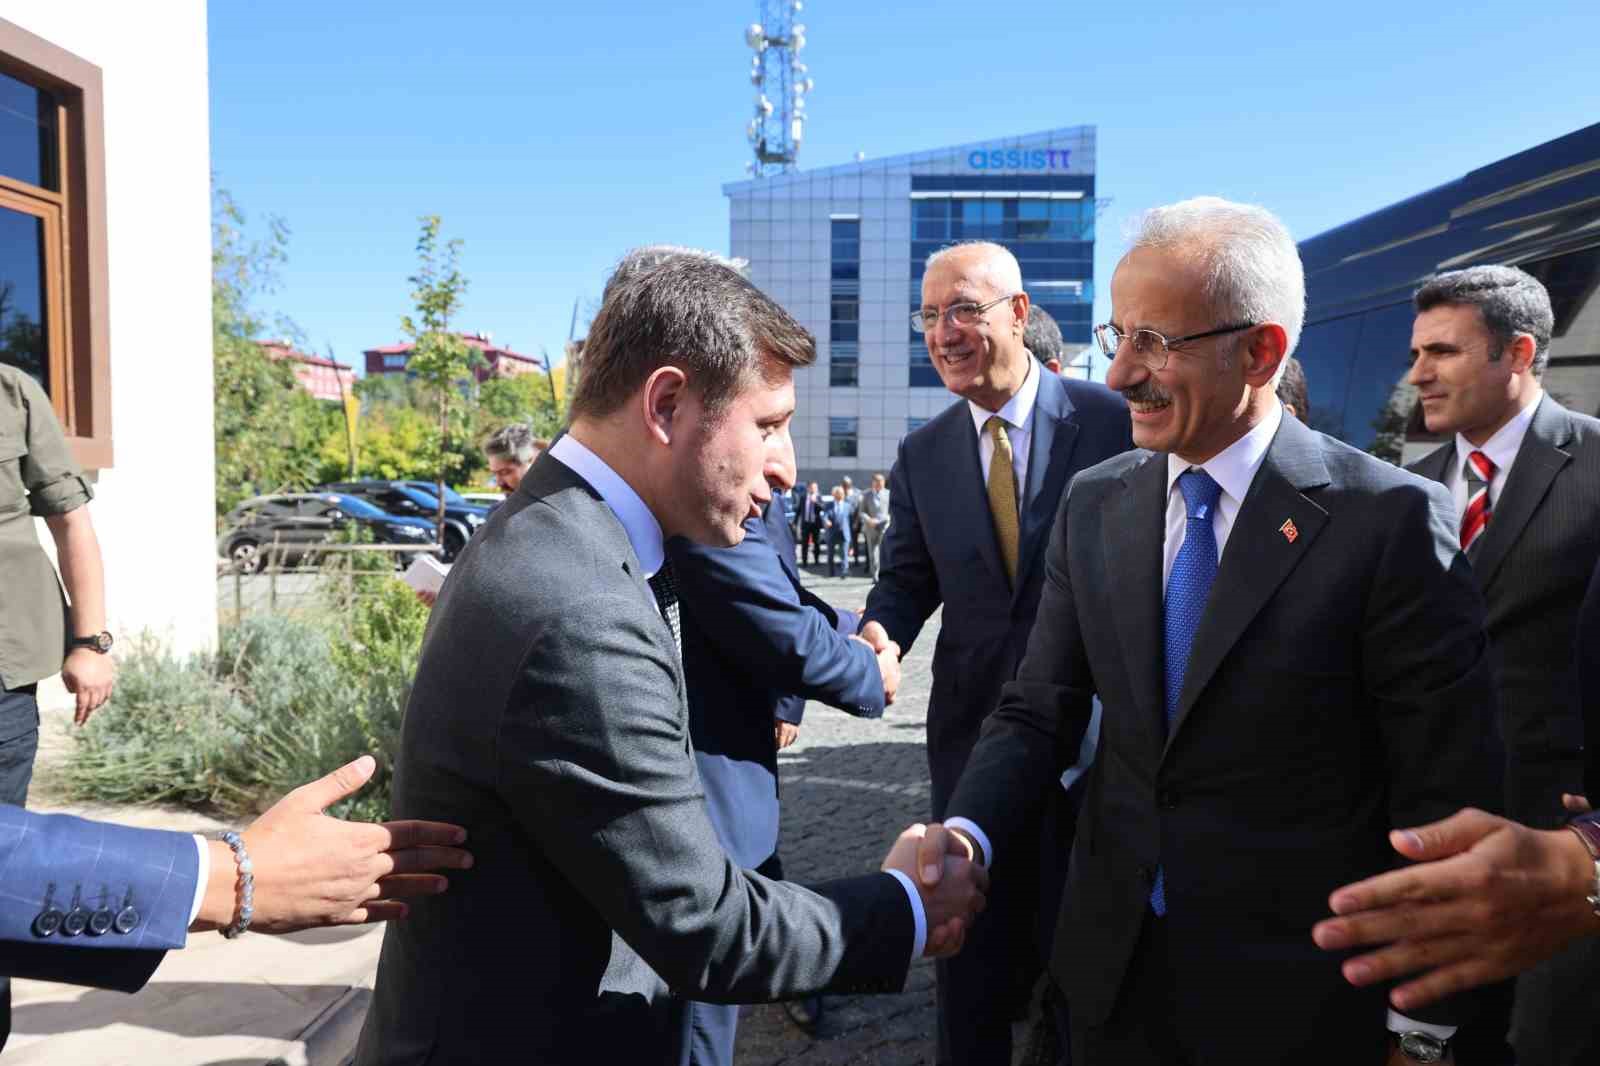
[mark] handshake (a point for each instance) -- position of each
(874, 636)
(953, 884)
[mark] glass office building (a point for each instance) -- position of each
(842, 248)
(1538, 210)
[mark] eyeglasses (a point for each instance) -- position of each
(1150, 347)
(967, 314)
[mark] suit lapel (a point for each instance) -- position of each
(1539, 460)
(1260, 553)
(1133, 526)
(1436, 464)
(781, 537)
(969, 496)
(1050, 446)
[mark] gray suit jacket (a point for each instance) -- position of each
(1337, 688)
(1533, 564)
(548, 717)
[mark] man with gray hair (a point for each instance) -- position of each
(510, 451)
(1523, 472)
(1290, 655)
(1043, 338)
(972, 497)
(598, 879)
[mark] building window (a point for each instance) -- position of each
(394, 362)
(844, 313)
(842, 433)
(844, 365)
(52, 235)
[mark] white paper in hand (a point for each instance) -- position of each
(426, 574)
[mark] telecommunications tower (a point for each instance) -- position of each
(781, 84)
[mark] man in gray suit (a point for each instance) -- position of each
(1524, 473)
(549, 718)
(874, 520)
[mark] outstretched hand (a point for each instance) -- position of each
(953, 899)
(314, 870)
(1487, 899)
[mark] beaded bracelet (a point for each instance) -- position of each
(247, 885)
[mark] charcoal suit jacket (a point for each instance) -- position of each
(1533, 562)
(1338, 687)
(549, 718)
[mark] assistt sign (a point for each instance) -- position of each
(1019, 159)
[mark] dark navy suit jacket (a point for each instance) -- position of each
(941, 548)
(49, 860)
(756, 645)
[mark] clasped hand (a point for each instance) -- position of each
(874, 636)
(954, 888)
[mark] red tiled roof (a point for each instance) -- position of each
(283, 350)
(472, 340)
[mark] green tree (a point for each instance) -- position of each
(440, 360)
(523, 398)
(268, 431)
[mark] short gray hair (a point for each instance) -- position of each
(688, 311)
(1043, 335)
(1001, 267)
(1511, 301)
(514, 442)
(1251, 266)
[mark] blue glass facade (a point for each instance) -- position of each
(842, 249)
(1538, 210)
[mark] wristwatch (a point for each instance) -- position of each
(1422, 1047)
(1587, 826)
(100, 642)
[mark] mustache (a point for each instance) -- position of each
(1146, 392)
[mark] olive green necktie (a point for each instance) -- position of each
(1003, 494)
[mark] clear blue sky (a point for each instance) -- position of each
(552, 137)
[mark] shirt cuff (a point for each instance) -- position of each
(202, 876)
(919, 939)
(972, 830)
(1399, 1023)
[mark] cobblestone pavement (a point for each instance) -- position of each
(849, 786)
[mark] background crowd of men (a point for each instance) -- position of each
(1255, 748)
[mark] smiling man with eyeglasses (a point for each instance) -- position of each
(971, 500)
(1292, 662)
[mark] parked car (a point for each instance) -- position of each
(461, 520)
(490, 500)
(292, 526)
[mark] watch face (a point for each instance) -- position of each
(1421, 1047)
(102, 642)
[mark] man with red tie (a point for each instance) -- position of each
(1525, 475)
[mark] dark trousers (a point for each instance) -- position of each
(810, 543)
(986, 987)
(19, 742)
(713, 1027)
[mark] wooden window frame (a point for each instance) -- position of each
(76, 265)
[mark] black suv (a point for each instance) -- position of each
(461, 520)
(291, 527)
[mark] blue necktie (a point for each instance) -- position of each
(1188, 585)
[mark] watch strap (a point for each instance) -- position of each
(1587, 826)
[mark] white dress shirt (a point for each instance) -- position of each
(1502, 449)
(644, 533)
(1233, 469)
(1018, 416)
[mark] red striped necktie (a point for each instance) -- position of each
(1475, 519)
